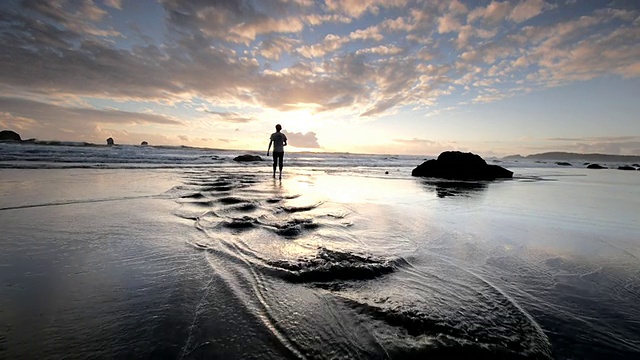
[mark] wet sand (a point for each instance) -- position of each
(231, 263)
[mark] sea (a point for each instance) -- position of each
(183, 253)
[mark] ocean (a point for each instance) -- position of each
(177, 252)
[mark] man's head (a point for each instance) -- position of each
(278, 127)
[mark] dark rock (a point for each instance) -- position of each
(247, 158)
(636, 165)
(144, 143)
(110, 141)
(9, 135)
(562, 163)
(595, 166)
(456, 165)
(626, 167)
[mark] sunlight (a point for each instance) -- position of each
(300, 120)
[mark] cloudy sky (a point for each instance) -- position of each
(373, 76)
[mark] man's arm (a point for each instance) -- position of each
(270, 142)
(285, 140)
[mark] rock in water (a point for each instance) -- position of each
(247, 158)
(144, 143)
(110, 141)
(595, 166)
(456, 165)
(626, 167)
(9, 135)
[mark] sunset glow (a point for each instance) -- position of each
(372, 76)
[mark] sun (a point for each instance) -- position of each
(300, 120)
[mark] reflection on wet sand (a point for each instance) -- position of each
(444, 188)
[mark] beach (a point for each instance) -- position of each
(180, 253)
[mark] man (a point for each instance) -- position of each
(279, 141)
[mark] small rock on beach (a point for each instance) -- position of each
(247, 158)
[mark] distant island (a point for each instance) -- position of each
(566, 156)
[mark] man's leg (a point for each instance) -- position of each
(281, 161)
(275, 163)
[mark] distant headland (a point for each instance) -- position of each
(567, 156)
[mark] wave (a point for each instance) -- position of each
(36, 156)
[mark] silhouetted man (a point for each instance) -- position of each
(279, 141)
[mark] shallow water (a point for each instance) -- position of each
(227, 262)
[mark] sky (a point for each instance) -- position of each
(361, 76)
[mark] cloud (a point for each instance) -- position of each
(492, 14)
(598, 138)
(422, 146)
(50, 121)
(250, 55)
(448, 23)
(332, 43)
(562, 59)
(616, 145)
(329, 44)
(232, 117)
(116, 4)
(74, 16)
(303, 140)
(230, 20)
(356, 8)
(526, 10)
(319, 19)
(381, 50)
(42, 112)
(273, 48)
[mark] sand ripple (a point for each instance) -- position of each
(328, 265)
(287, 239)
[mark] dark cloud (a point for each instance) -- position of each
(71, 14)
(43, 112)
(300, 140)
(238, 21)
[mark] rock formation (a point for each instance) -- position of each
(626, 167)
(455, 165)
(247, 158)
(110, 141)
(595, 166)
(144, 143)
(9, 135)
